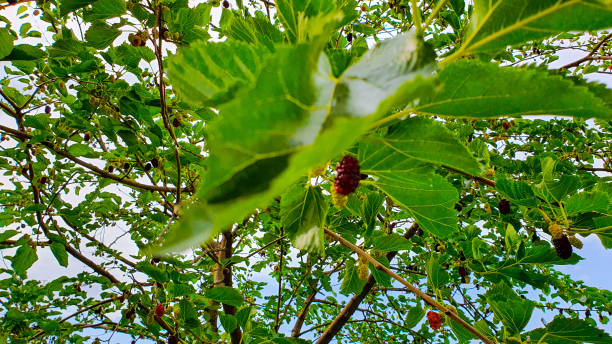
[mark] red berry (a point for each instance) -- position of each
(506, 125)
(155, 162)
(435, 321)
(47, 109)
(173, 340)
(364, 8)
(226, 4)
(176, 123)
(147, 167)
(87, 136)
(159, 310)
(348, 175)
(349, 37)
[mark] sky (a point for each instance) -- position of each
(589, 270)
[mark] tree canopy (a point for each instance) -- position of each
(304, 171)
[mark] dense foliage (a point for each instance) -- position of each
(291, 171)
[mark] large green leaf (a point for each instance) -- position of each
(292, 119)
(427, 197)
(511, 309)
(104, 9)
(427, 140)
(24, 258)
(295, 15)
(67, 6)
(227, 295)
(303, 211)
(484, 90)
(496, 24)
(436, 276)
(100, 35)
(213, 72)
(587, 201)
(569, 331)
(6, 42)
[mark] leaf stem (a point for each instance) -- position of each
(409, 286)
(434, 13)
(416, 17)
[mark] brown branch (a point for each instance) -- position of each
(302, 316)
(355, 301)
(162, 96)
(590, 57)
(223, 277)
(98, 171)
(428, 299)
(482, 180)
(280, 289)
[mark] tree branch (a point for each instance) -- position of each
(410, 287)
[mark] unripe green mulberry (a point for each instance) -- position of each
(555, 231)
(362, 270)
(338, 199)
(575, 242)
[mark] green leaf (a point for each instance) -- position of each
(6, 42)
(188, 314)
(7, 234)
(370, 208)
(351, 283)
(24, 52)
(414, 316)
(391, 242)
(427, 140)
(213, 72)
(544, 254)
(587, 201)
(59, 252)
(80, 149)
(68, 6)
(512, 310)
(436, 276)
(228, 322)
(226, 295)
(303, 212)
(380, 276)
(100, 35)
(427, 197)
(295, 15)
(518, 192)
(288, 126)
(24, 258)
(463, 335)
(496, 24)
(485, 90)
(564, 331)
(104, 9)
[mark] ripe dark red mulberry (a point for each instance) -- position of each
(435, 321)
(535, 237)
(155, 162)
(110, 169)
(147, 167)
(176, 123)
(126, 166)
(348, 175)
(86, 136)
(173, 340)
(159, 310)
(563, 247)
(349, 37)
(506, 125)
(463, 273)
(504, 206)
(47, 109)
(226, 4)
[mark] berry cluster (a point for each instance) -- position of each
(348, 176)
(435, 321)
